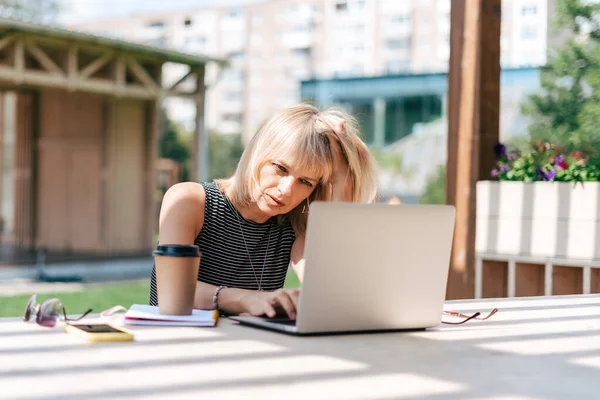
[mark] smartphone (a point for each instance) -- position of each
(99, 332)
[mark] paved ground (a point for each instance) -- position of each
(70, 276)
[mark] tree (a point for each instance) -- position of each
(41, 11)
(393, 161)
(435, 189)
(224, 153)
(567, 110)
(173, 145)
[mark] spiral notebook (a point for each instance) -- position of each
(142, 314)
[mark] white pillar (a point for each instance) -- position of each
(548, 279)
(512, 278)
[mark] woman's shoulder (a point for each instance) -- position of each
(185, 193)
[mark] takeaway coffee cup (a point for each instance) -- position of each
(176, 275)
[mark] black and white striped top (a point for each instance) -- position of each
(224, 257)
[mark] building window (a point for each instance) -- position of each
(398, 43)
(232, 117)
(156, 24)
(350, 5)
(234, 96)
(529, 10)
(234, 13)
(303, 52)
(237, 57)
(528, 32)
(341, 6)
(400, 19)
(187, 21)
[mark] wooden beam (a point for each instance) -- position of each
(6, 40)
(95, 65)
(180, 81)
(99, 86)
(19, 61)
(179, 93)
(72, 66)
(45, 61)
(141, 74)
(120, 72)
(200, 146)
(473, 122)
(155, 113)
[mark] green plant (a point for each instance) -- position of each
(543, 162)
(225, 152)
(435, 189)
(567, 109)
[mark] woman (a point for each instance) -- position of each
(250, 226)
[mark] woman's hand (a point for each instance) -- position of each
(272, 303)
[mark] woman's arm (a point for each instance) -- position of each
(180, 222)
(237, 301)
(297, 257)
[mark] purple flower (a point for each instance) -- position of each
(500, 150)
(494, 172)
(504, 168)
(511, 156)
(546, 176)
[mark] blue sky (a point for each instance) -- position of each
(77, 11)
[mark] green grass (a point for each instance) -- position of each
(99, 297)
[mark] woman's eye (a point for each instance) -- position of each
(305, 182)
(279, 167)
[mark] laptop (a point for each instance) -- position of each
(370, 267)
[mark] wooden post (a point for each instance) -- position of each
(199, 172)
(154, 131)
(473, 125)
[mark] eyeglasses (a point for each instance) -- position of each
(466, 317)
(48, 313)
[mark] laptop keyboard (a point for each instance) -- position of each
(283, 321)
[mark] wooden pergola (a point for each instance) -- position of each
(41, 56)
(88, 112)
(473, 124)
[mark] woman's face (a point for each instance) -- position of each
(282, 187)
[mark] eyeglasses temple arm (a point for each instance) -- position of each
(463, 321)
(84, 314)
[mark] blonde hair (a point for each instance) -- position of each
(298, 135)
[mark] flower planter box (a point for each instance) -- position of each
(538, 223)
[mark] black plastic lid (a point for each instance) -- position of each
(177, 250)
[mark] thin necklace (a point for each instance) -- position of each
(259, 283)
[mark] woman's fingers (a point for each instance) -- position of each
(283, 299)
(269, 309)
(294, 296)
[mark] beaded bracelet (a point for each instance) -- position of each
(215, 297)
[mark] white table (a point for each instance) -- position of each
(534, 348)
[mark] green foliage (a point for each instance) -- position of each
(224, 154)
(224, 151)
(435, 189)
(544, 162)
(567, 110)
(42, 11)
(174, 146)
(394, 162)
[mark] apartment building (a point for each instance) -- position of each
(273, 45)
